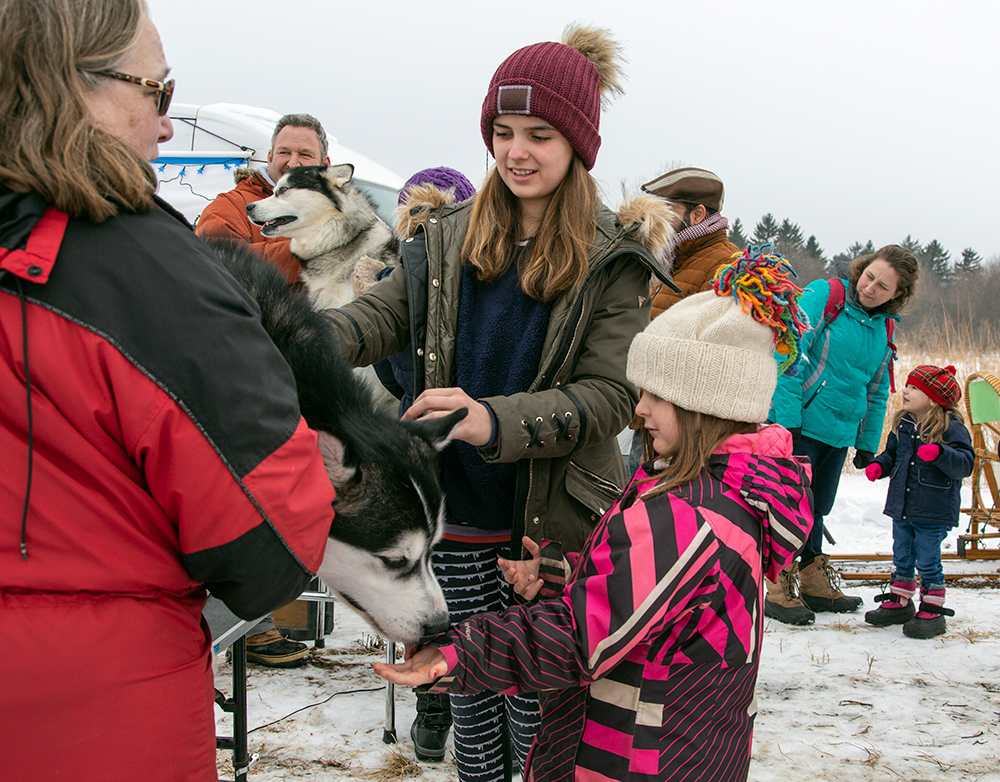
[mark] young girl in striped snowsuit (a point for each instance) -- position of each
(645, 652)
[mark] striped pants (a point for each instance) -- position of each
(489, 728)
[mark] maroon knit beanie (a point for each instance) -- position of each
(939, 384)
(554, 82)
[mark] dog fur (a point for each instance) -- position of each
(389, 510)
(331, 224)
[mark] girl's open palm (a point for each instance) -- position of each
(522, 574)
(424, 667)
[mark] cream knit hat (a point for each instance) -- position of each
(708, 354)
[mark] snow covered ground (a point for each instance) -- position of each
(837, 700)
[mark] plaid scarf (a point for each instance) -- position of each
(710, 224)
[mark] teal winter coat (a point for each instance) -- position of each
(840, 393)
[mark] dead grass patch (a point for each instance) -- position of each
(396, 766)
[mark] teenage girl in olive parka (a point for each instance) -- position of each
(520, 305)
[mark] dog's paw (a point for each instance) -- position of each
(365, 273)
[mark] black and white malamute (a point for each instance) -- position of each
(332, 226)
(389, 510)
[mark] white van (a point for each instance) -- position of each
(210, 141)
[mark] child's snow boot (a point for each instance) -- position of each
(897, 605)
(819, 590)
(782, 600)
(929, 621)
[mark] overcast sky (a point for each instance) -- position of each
(856, 120)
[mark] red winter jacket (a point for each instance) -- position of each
(227, 216)
(166, 453)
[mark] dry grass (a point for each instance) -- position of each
(396, 766)
(974, 635)
(366, 645)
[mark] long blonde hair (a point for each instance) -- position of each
(699, 434)
(556, 260)
(50, 51)
(934, 424)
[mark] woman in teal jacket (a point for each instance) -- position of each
(836, 402)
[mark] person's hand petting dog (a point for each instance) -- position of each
(476, 429)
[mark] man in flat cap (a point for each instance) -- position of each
(702, 245)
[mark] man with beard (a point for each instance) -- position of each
(702, 244)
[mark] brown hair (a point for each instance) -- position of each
(556, 260)
(906, 267)
(934, 425)
(699, 436)
(50, 51)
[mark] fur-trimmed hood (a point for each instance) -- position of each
(655, 224)
(652, 220)
(241, 173)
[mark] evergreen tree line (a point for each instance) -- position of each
(964, 290)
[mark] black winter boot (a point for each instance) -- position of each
(897, 605)
(429, 730)
(929, 621)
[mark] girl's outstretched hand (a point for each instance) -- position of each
(522, 574)
(873, 471)
(423, 667)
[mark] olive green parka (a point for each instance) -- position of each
(562, 430)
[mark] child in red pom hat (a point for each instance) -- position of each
(928, 453)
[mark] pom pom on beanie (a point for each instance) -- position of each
(713, 352)
(938, 383)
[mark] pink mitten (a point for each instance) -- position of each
(929, 451)
(873, 471)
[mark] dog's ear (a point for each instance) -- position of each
(333, 453)
(340, 175)
(438, 431)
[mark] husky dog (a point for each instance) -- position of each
(335, 234)
(389, 510)
(332, 225)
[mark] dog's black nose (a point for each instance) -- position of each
(436, 624)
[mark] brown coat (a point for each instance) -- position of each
(227, 216)
(695, 262)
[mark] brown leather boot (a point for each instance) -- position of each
(819, 588)
(782, 600)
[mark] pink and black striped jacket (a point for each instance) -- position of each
(646, 660)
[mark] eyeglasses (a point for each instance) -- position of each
(165, 89)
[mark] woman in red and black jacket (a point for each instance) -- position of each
(150, 431)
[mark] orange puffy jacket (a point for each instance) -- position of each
(695, 263)
(227, 216)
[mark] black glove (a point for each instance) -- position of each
(862, 459)
(796, 434)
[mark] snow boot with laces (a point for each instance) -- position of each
(897, 605)
(929, 621)
(819, 588)
(782, 600)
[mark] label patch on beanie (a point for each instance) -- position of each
(514, 100)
